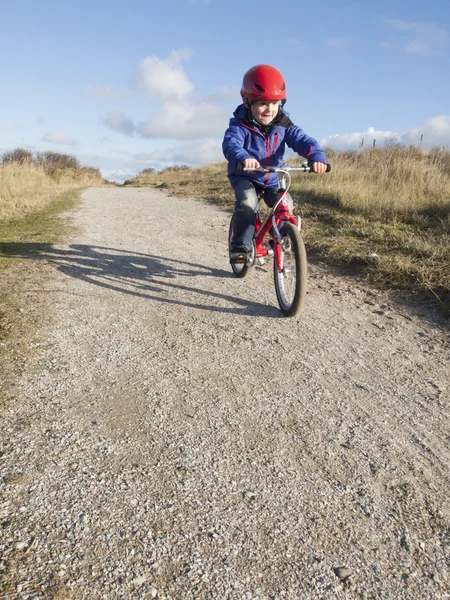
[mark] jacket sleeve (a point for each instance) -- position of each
(233, 144)
(304, 145)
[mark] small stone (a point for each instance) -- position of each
(21, 545)
(342, 573)
(153, 592)
(404, 542)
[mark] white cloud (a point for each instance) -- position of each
(121, 175)
(435, 131)
(118, 122)
(386, 45)
(183, 114)
(183, 120)
(195, 154)
(337, 43)
(106, 92)
(418, 47)
(111, 166)
(164, 77)
(427, 38)
(342, 141)
(59, 137)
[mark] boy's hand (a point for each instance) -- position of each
(319, 167)
(252, 163)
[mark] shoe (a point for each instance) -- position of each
(239, 253)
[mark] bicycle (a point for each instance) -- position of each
(279, 236)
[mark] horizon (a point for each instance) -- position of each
(106, 84)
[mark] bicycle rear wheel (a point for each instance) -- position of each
(291, 277)
(239, 269)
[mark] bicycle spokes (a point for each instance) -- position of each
(290, 270)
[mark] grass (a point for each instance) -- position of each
(384, 213)
(21, 317)
(28, 187)
(34, 190)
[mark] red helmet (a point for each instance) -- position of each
(263, 82)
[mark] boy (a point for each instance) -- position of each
(257, 136)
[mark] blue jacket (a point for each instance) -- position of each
(245, 139)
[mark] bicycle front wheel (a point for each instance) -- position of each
(290, 271)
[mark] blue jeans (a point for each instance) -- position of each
(245, 208)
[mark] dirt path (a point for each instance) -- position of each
(175, 437)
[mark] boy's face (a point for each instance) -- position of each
(264, 111)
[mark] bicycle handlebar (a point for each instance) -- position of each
(282, 169)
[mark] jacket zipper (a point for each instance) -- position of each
(266, 176)
(267, 140)
(275, 142)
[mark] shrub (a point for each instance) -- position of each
(27, 185)
(18, 155)
(57, 161)
(176, 168)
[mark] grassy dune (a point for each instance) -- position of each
(27, 187)
(34, 191)
(384, 212)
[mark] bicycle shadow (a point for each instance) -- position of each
(141, 275)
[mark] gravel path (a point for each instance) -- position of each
(175, 437)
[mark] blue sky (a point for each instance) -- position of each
(125, 85)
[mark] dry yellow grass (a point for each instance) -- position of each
(393, 180)
(26, 188)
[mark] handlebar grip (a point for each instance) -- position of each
(327, 170)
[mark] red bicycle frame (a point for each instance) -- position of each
(278, 214)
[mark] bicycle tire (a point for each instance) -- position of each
(239, 269)
(291, 282)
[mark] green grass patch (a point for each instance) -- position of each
(20, 240)
(43, 226)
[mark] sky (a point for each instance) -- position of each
(124, 85)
